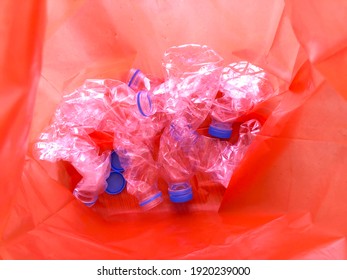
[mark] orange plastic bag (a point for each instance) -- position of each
(287, 199)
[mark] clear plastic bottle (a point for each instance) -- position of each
(191, 84)
(243, 85)
(72, 144)
(192, 81)
(218, 159)
(133, 143)
(95, 171)
(177, 160)
(141, 173)
(86, 107)
(150, 99)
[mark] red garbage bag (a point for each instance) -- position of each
(286, 199)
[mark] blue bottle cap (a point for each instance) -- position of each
(219, 132)
(180, 193)
(115, 163)
(115, 183)
(182, 198)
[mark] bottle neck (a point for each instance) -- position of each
(180, 192)
(144, 103)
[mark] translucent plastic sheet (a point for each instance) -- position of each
(286, 200)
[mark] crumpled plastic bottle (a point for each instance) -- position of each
(151, 97)
(141, 173)
(243, 85)
(219, 159)
(59, 142)
(216, 159)
(192, 81)
(94, 170)
(190, 86)
(177, 159)
(133, 142)
(184, 152)
(186, 96)
(67, 138)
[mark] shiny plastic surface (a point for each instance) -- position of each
(140, 170)
(286, 200)
(134, 136)
(218, 159)
(243, 86)
(66, 138)
(192, 81)
(177, 157)
(138, 81)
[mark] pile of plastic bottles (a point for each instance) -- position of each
(146, 111)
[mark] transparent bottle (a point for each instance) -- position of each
(190, 86)
(72, 144)
(133, 143)
(177, 159)
(94, 170)
(141, 173)
(192, 81)
(243, 85)
(216, 159)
